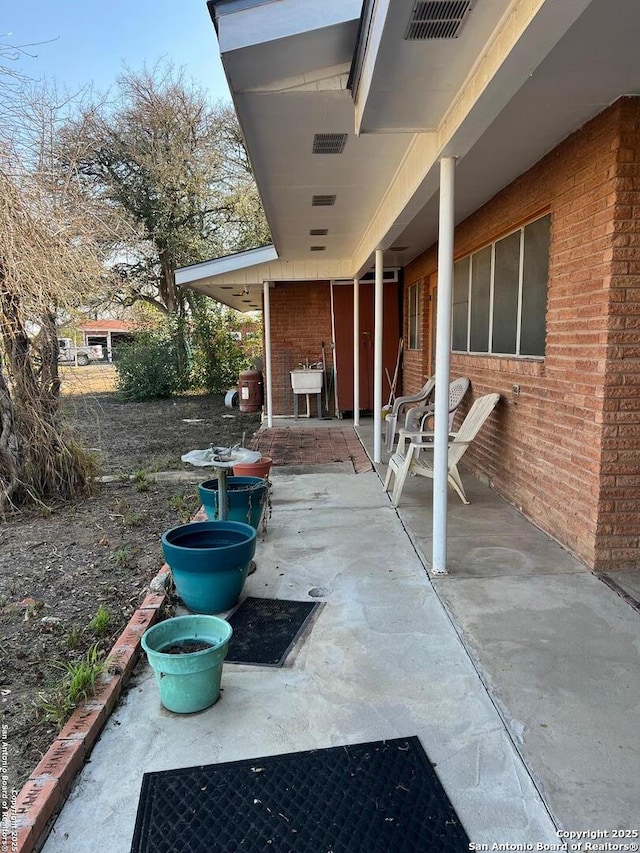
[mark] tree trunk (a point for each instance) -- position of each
(9, 449)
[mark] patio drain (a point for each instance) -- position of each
(319, 591)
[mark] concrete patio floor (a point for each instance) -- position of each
(518, 670)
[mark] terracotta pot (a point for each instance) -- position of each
(260, 468)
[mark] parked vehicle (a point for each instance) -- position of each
(69, 352)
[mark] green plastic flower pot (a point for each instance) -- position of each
(246, 497)
(209, 561)
(188, 681)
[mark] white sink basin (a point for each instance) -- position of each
(307, 380)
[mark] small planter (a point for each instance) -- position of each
(188, 680)
(260, 468)
(209, 561)
(246, 496)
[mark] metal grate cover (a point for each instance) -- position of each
(266, 629)
(323, 200)
(318, 232)
(436, 19)
(329, 143)
(379, 797)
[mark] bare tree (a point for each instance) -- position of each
(177, 168)
(49, 265)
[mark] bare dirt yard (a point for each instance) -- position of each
(70, 576)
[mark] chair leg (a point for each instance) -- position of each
(455, 482)
(401, 476)
(392, 467)
(390, 430)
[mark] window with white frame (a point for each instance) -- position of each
(500, 294)
(414, 316)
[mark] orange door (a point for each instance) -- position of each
(343, 324)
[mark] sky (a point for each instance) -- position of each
(77, 42)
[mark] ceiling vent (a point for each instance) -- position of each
(318, 248)
(436, 19)
(323, 200)
(329, 143)
(318, 232)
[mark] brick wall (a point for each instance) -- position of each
(566, 449)
(300, 322)
(618, 531)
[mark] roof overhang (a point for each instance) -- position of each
(237, 280)
(518, 79)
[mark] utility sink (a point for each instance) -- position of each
(307, 380)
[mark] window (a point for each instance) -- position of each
(500, 294)
(414, 316)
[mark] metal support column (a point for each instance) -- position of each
(356, 352)
(377, 357)
(443, 348)
(266, 317)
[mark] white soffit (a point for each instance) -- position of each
(228, 263)
(546, 66)
(237, 280)
(592, 66)
(242, 25)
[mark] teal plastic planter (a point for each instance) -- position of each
(190, 681)
(246, 497)
(209, 561)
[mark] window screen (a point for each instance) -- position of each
(507, 296)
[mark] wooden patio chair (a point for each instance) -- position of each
(392, 414)
(410, 462)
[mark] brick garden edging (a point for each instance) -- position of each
(49, 784)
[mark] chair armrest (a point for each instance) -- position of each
(425, 438)
(415, 416)
(399, 402)
(418, 397)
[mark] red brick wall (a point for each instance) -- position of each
(300, 322)
(618, 530)
(566, 449)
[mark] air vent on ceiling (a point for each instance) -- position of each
(436, 19)
(323, 200)
(398, 248)
(329, 143)
(318, 248)
(318, 232)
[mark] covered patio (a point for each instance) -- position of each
(517, 670)
(471, 151)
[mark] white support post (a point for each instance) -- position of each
(266, 317)
(443, 348)
(356, 352)
(377, 357)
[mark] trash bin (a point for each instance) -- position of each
(250, 390)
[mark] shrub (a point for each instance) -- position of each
(218, 356)
(147, 369)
